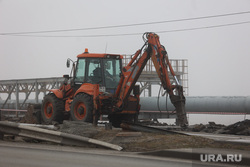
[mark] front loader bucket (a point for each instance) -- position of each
(179, 102)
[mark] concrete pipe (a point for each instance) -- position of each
(201, 104)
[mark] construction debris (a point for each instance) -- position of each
(79, 128)
(211, 127)
(33, 115)
(238, 128)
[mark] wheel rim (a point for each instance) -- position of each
(48, 110)
(80, 111)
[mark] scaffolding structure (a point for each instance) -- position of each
(149, 76)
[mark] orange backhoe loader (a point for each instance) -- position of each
(100, 86)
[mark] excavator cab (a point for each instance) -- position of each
(102, 69)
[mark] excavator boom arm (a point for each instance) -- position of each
(131, 73)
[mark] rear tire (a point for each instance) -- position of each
(52, 109)
(82, 108)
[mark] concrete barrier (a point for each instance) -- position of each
(51, 136)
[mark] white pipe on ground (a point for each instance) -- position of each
(201, 104)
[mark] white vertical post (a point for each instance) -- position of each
(17, 96)
(37, 92)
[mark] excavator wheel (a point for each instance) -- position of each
(82, 108)
(52, 109)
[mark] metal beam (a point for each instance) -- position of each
(9, 95)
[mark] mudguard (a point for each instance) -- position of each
(88, 88)
(57, 92)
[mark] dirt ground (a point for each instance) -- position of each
(142, 141)
(151, 142)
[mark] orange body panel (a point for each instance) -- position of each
(57, 92)
(63, 91)
(87, 88)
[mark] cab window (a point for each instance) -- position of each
(80, 71)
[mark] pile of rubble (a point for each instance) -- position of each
(33, 115)
(239, 128)
(211, 127)
(79, 128)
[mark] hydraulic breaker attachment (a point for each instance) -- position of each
(179, 102)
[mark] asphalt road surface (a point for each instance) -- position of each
(25, 156)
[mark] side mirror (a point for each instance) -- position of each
(68, 63)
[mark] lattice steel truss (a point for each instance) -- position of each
(26, 87)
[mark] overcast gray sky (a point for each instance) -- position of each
(218, 58)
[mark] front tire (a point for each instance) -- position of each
(82, 108)
(52, 109)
